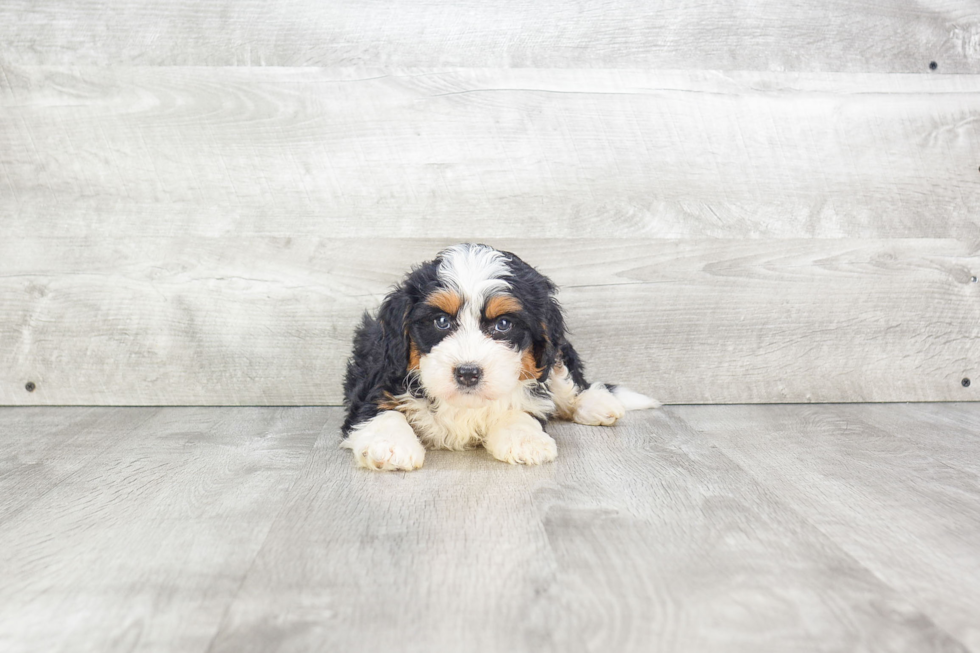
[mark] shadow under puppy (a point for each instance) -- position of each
(469, 349)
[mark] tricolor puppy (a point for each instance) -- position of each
(470, 349)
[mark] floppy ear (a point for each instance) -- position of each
(378, 366)
(537, 294)
(558, 348)
(393, 320)
(547, 349)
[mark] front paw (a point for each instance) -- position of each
(386, 443)
(390, 455)
(598, 407)
(521, 442)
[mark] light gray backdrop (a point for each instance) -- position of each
(743, 201)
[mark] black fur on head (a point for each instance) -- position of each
(378, 367)
(542, 312)
(387, 347)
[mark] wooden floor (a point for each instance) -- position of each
(726, 528)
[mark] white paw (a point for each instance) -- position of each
(598, 407)
(389, 455)
(521, 441)
(386, 443)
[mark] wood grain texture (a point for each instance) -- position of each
(216, 529)
(882, 490)
(41, 448)
(145, 543)
(464, 153)
(268, 321)
(823, 35)
(959, 421)
(950, 436)
(638, 538)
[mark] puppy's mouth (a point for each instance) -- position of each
(468, 398)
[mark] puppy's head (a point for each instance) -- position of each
(478, 323)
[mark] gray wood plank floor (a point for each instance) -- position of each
(708, 528)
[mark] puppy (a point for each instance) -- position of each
(469, 349)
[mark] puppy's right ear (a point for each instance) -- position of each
(393, 320)
(378, 366)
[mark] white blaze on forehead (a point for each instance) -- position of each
(475, 271)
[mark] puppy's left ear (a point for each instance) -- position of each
(537, 293)
(547, 349)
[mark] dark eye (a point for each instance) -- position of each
(442, 322)
(503, 325)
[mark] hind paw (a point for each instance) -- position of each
(597, 407)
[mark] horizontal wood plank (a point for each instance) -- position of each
(476, 154)
(808, 35)
(268, 321)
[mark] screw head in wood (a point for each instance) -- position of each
(30, 386)
(965, 382)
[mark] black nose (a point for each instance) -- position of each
(468, 375)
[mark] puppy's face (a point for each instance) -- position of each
(467, 352)
(471, 339)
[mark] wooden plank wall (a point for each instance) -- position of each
(743, 201)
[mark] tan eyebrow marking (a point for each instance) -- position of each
(501, 304)
(446, 300)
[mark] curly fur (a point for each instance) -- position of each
(475, 311)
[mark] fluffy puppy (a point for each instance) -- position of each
(469, 349)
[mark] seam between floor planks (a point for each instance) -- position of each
(249, 614)
(135, 473)
(589, 532)
(914, 500)
(251, 565)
